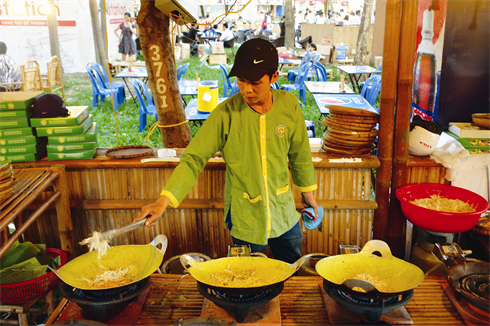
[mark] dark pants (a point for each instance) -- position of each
(287, 247)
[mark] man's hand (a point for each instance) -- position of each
(311, 200)
(153, 211)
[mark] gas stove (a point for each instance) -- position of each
(239, 304)
(102, 305)
(368, 306)
(470, 282)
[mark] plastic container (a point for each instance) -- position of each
(18, 293)
(436, 221)
(207, 96)
(341, 52)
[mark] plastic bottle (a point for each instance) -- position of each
(424, 70)
(341, 52)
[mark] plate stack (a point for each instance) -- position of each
(351, 132)
(6, 180)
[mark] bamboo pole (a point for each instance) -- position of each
(387, 108)
(397, 221)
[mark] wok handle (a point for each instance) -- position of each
(160, 239)
(379, 246)
(187, 261)
(297, 264)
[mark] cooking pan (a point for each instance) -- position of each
(144, 259)
(267, 272)
(370, 275)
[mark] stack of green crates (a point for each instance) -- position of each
(18, 142)
(69, 138)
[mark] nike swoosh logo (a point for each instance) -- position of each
(256, 62)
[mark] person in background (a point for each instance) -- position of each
(193, 30)
(226, 35)
(314, 56)
(312, 18)
(239, 24)
(261, 135)
(346, 21)
(353, 19)
(298, 18)
(359, 15)
(9, 70)
(127, 46)
(269, 21)
(211, 32)
(321, 18)
(282, 26)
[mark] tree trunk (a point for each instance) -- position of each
(102, 14)
(99, 42)
(361, 56)
(54, 43)
(162, 75)
(289, 25)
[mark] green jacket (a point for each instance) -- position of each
(256, 148)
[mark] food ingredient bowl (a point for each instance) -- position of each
(437, 221)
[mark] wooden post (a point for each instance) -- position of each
(63, 213)
(162, 75)
(289, 25)
(387, 108)
(397, 222)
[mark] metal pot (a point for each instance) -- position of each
(173, 265)
(269, 272)
(392, 276)
(145, 260)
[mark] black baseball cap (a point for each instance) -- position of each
(254, 59)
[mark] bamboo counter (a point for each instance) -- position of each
(173, 297)
(108, 193)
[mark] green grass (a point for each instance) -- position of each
(78, 92)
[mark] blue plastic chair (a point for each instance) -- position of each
(181, 71)
(292, 73)
(275, 86)
(234, 89)
(299, 84)
(226, 81)
(98, 90)
(119, 86)
(146, 104)
(321, 71)
(371, 89)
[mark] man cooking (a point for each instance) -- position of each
(257, 131)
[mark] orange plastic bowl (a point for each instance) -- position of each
(436, 221)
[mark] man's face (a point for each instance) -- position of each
(256, 92)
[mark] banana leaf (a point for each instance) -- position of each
(24, 271)
(18, 254)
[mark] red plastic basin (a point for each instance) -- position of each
(436, 221)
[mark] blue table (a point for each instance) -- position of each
(326, 87)
(354, 101)
(135, 73)
(192, 114)
(355, 73)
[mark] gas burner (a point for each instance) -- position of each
(361, 303)
(367, 301)
(102, 305)
(104, 295)
(239, 298)
(240, 304)
(477, 285)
